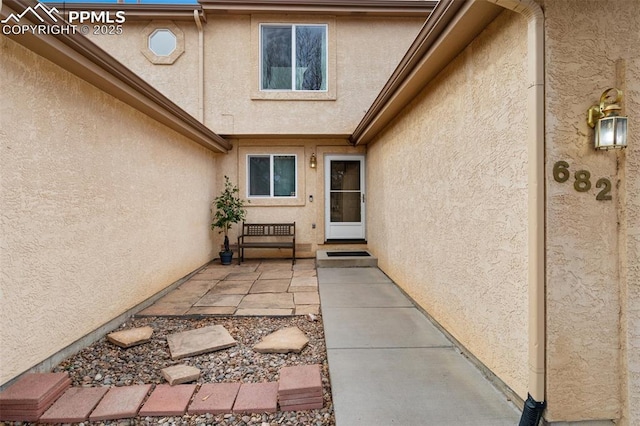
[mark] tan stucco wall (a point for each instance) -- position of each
(447, 200)
(363, 50)
(177, 81)
(593, 298)
(307, 209)
(100, 208)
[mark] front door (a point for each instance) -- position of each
(344, 197)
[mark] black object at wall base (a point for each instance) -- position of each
(532, 412)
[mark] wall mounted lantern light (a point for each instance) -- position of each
(313, 161)
(610, 128)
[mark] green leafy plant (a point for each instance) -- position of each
(227, 209)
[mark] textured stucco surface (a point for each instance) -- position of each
(447, 200)
(593, 328)
(100, 208)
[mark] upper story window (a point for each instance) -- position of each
(272, 175)
(293, 57)
(163, 42)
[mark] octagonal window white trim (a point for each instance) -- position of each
(162, 42)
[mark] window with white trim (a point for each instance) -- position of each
(293, 57)
(272, 175)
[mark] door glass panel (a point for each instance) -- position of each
(345, 175)
(345, 207)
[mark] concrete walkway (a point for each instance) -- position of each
(390, 366)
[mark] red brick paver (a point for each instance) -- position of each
(214, 398)
(166, 400)
(300, 379)
(74, 406)
(257, 398)
(120, 403)
(29, 397)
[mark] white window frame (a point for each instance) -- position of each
(293, 57)
(271, 180)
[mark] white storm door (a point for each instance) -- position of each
(344, 197)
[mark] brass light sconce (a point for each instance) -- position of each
(313, 161)
(610, 128)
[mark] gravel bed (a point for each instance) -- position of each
(105, 364)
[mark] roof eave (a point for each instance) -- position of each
(333, 7)
(448, 30)
(136, 12)
(78, 55)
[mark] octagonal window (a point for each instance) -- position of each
(162, 42)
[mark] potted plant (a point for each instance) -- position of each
(229, 209)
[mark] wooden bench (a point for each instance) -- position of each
(278, 235)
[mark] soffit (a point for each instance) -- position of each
(137, 12)
(333, 7)
(78, 55)
(448, 30)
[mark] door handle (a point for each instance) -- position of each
(363, 197)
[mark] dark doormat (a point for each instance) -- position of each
(347, 253)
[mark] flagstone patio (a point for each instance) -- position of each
(269, 287)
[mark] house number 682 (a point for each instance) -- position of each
(582, 180)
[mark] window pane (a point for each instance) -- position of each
(345, 175)
(345, 207)
(259, 176)
(284, 176)
(310, 58)
(276, 57)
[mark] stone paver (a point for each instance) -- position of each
(211, 274)
(178, 374)
(74, 405)
(267, 301)
(306, 273)
(29, 397)
(212, 310)
(232, 287)
(285, 340)
(199, 341)
(307, 309)
(306, 298)
(167, 400)
(168, 309)
(257, 398)
(130, 337)
(264, 312)
(300, 379)
(276, 274)
(300, 284)
(214, 299)
(270, 286)
(242, 276)
(121, 402)
(214, 398)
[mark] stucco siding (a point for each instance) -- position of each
(447, 199)
(100, 208)
(592, 246)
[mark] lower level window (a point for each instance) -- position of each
(272, 175)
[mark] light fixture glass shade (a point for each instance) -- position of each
(611, 132)
(313, 161)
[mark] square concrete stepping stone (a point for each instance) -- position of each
(199, 341)
(306, 298)
(130, 337)
(214, 398)
(178, 374)
(30, 396)
(289, 339)
(264, 312)
(120, 402)
(74, 406)
(270, 286)
(214, 299)
(267, 301)
(167, 400)
(257, 398)
(299, 380)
